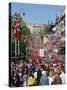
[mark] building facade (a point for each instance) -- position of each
(37, 42)
(60, 31)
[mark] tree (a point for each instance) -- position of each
(25, 32)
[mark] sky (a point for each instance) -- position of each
(37, 13)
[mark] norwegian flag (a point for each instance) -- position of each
(25, 38)
(16, 27)
(27, 41)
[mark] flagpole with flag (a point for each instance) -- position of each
(17, 36)
(15, 25)
(17, 33)
(15, 47)
(18, 47)
(19, 40)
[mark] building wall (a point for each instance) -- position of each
(61, 25)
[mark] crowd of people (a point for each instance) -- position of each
(45, 72)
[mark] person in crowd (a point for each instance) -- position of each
(51, 73)
(25, 79)
(62, 74)
(31, 80)
(39, 73)
(35, 74)
(56, 79)
(44, 79)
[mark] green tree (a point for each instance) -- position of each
(25, 31)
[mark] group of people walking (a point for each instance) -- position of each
(24, 73)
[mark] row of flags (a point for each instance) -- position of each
(26, 40)
(53, 40)
(17, 31)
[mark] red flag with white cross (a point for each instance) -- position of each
(16, 27)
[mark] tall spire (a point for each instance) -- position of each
(49, 22)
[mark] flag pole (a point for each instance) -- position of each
(15, 47)
(18, 47)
